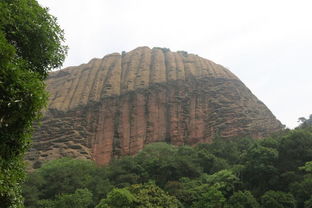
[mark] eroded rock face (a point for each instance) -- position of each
(114, 106)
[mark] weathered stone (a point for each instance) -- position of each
(114, 106)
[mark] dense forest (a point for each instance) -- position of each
(241, 172)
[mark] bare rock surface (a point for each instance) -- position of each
(113, 106)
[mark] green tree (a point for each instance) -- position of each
(126, 171)
(33, 36)
(227, 181)
(151, 196)
(308, 203)
(231, 150)
(64, 176)
(82, 198)
(307, 167)
(305, 122)
(139, 196)
(213, 198)
(295, 149)
(190, 191)
(118, 198)
(260, 172)
(163, 162)
(209, 162)
(242, 199)
(31, 189)
(302, 189)
(277, 199)
(156, 158)
(30, 45)
(22, 96)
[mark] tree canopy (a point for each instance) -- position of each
(246, 173)
(305, 122)
(30, 45)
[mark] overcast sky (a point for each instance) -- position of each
(266, 43)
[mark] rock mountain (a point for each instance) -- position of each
(113, 106)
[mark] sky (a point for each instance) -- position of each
(267, 43)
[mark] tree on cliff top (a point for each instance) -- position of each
(30, 46)
(305, 122)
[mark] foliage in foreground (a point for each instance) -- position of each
(240, 173)
(30, 45)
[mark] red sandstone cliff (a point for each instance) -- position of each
(115, 105)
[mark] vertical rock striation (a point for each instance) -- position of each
(114, 106)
